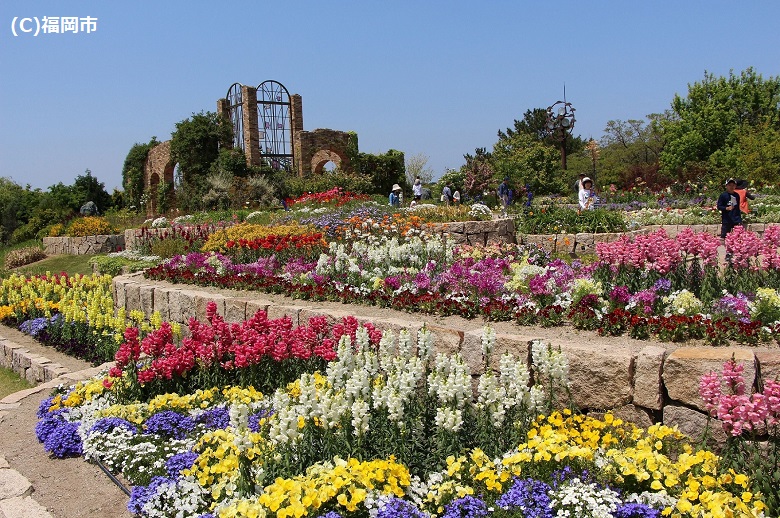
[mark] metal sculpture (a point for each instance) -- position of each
(235, 108)
(275, 126)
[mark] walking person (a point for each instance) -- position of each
(446, 194)
(417, 189)
(504, 193)
(730, 215)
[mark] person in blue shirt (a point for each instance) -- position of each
(504, 193)
(728, 205)
(395, 196)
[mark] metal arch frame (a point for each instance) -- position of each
(274, 123)
(555, 121)
(236, 112)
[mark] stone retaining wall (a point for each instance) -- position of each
(642, 382)
(88, 245)
(480, 232)
(30, 366)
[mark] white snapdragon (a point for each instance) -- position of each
(576, 498)
(488, 343)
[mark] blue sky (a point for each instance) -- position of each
(433, 77)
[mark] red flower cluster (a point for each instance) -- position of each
(230, 346)
(337, 195)
(307, 246)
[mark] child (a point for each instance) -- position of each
(587, 195)
(728, 205)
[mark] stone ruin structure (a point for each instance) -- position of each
(268, 126)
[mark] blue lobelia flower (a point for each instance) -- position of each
(636, 510)
(108, 424)
(170, 424)
(181, 461)
(142, 494)
(399, 508)
(64, 440)
(214, 418)
(529, 496)
(466, 507)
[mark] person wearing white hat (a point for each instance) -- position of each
(587, 195)
(395, 196)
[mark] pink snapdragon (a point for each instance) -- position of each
(699, 244)
(738, 411)
(745, 248)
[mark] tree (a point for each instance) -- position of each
(195, 145)
(526, 160)
(88, 188)
(417, 165)
(478, 174)
(711, 118)
(631, 149)
(534, 125)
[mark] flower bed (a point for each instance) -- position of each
(381, 431)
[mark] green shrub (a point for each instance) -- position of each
(114, 265)
(22, 256)
(89, 226)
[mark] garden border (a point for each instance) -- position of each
(89, 245)
(641, 381)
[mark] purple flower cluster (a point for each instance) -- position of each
(636, 510)
(737, 307)
(181, 461)
(486, 276)
(529, 496)
(330, 514)
(59, 437)
(254, 420)
(399, 508)
(214, 418)
(466, 507)
(620, 295)
(108, 424)
(170, 424)
(142, 494)
(43, 408)
(36, 326)
(663, 285)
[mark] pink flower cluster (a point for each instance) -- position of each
(231, 345)
(748, 250)
(740, 412)
(657, 251)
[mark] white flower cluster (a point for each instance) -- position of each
(508, 390)
(133, 255)
(252, 216)
(450, 382)
(186, 218)
(182, 498)
(239, 420)
(551, 370)
(161, 222)
(480, 212)
(576, 499)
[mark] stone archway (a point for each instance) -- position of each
(323, 156)
(159, 168)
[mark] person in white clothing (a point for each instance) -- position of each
(417, 189)
(587, 195)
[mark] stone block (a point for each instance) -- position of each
(446, 340)
(119, 292)
(146, 297)
(202, 300)
(452, 228)
(685, 366)
(600, 377)
(255, 305)
(275, 311)
(471, 350)
(648, 385)
(54, 370)
(23, 507)
(186, 305)
(12, 484)
(19, 360)
(694, 424)
(584, 243)
(132, 296)
(630, 414)
(160, 302)
(475, 239)
(235, 309)
(768, 365)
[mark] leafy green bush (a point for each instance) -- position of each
(557, 220)
(114, 264)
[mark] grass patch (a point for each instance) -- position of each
(11, 382)
(70, 264)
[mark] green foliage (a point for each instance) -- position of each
(630, 150)
(561, 220)
(528, 161)
(114, 266)
(384, 170)
(133, 172)
(478, 173)
(195, 145)
(704, 132)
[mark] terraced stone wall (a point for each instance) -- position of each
(641, 381)
(88, 245)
